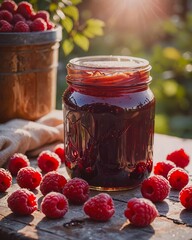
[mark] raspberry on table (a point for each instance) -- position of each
(54, 205)
(76, 190)
(185, 197)
(162, 168)
(29, 177)
(156, 188)
(140, 212)
(99, 207)
(60, 151)
(6, 15)
(21, 27)
(16, 162)
(5, 179)
(17, 18)
(22, 202)
(48, 161)
(25, 9)
(178, 178)
(9, 5)
(38, 24)
(50, 25)
(52, 181)
(5, 26)
(179, 157)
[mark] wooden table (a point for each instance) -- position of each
(173, 223)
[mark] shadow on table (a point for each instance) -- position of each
(186, 217)
(162, 208)
(13, 227)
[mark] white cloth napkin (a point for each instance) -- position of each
(29, 137)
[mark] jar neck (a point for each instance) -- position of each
(108, 75)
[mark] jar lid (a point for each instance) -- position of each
(110, 62)
(31, 38)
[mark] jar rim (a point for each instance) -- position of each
(110, 62)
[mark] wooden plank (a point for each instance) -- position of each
(173, 222)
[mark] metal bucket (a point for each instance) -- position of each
(28, 73)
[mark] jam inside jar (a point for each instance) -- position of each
(109, 114)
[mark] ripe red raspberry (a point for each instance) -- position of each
(99, 207)
(52, 181)
(9, 5)
(179, 157)
(162, 168)
(156, 188)
(54, 205)
(21, 27)
(17, 17)
(60, 151)
(42, 14)
(5, 26)
(25, 9)
(28, 177)
(140, 212)
(16, 162)
(38, 24)
(185, 197)
(48, 161)
(5, 180)
(76, 190)
(178, 178)
(22, 202)
(50, 25)
(6, 15)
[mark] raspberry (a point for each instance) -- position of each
(17, 17)
(76, 190)
(179, 157)
(140, 212)
(42, 14)
(59, 150)
(50, 25)
(155, 188)
(99, 207)
(162, 168)
(22, 202)
(16, 162)
(185, 197)
(21, 27)
(52, 181)
(48, 161)
(5, 180)
(6, 15)
(178, 178)
(38, 24)
(29, 178)
(25, 9)
(5, 26)
(9, 5)
(54, 205)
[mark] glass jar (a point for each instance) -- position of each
(109, 114)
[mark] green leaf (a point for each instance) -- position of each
(76, 2)
(94, 27)
(81, 41)
(72, 12)
(53, 7)
(67, 23)
(95, 22)
(68, 46)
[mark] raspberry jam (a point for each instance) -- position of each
(109, 121)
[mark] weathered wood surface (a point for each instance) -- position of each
(173, 223)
